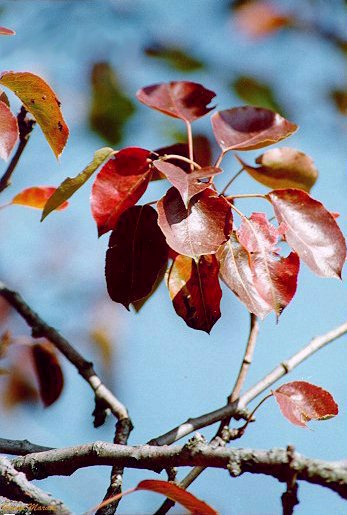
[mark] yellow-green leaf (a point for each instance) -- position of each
(40, 100)
(71, 184)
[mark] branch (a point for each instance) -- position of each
(103, 395)
(222, 436)
(20, 447)
(123, 430)
(25, 126)
(232, 410)
(15, 486)
(272, 462)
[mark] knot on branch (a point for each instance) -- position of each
(234, 467)
(195, 444)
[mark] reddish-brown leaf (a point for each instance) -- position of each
(8, 131)
(182, 99)
(310, 230)
(36, 197)
(177, 494)
(48, 372)
(4, 31)
(283, 168)
(136, 254)
(301, 402)
(275, 277)
(40, 100)
(195, 291)
(236, 272)
(247, 128)
(187, 183)
(119, 185)
(196, 231)
(18, 387)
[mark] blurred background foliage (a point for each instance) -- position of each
(289, 56)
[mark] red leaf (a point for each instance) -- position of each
(311, 231)
(235, 271)
(40, 100)
(136, 254)
(36, 197)
(283, 168)
(119, 185)
(195, 291)
(182, 99)
(48, 372)
(199, 230)
(247, 128)
(187, 183)
(177, 494)
(301, 402)
(8, 131)
(6, 32)
(275, 277)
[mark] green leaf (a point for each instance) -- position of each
(110, 108)
(256, 93)
(71, 184)
(175, 57)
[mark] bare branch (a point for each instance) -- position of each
(230, 410)
(272, 462)
(85, 368)
(15, 486)
(20, 447)
(25, 126)
(123, 430)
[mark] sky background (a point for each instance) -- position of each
(162, 370)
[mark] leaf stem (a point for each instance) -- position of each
(190, 143)
(231, 181)
(247, 195)
(25, 126)
(219, 159)
(243, 428)
(167, 157)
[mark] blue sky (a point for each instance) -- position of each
(162, 370)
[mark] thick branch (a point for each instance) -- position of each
(15, 486)
(238, 461)
(230, 410)
(25, 126)
(40, 329)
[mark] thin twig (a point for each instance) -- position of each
(194, 424)
(123, 430)
(40, 329)
(247, 359)
(25, 126)
(231, 181)
(223, 433)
